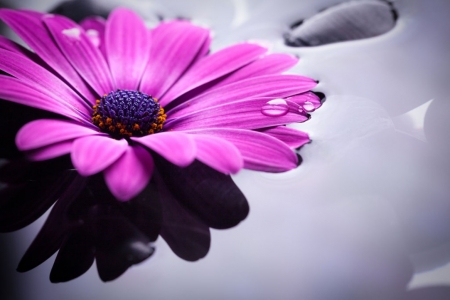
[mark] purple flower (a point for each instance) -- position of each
(126, 93)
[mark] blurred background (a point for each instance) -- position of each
(367, 213)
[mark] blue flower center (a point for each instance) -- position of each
(128, 113)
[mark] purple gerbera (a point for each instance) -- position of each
(126, 93)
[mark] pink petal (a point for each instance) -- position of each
(129, 175)
(93, 154)
(33, 74)
(19, 92)
(51, 151)
(127, 47)
(81, 53)
(18, 49)
(31, 29)
(218, 153)
(45, 132)
(214, 66)
(204, 49)
(276, 86)
(174, 47)
(95, 31)
(292, 137)
(260, 151)
(268, 65)
(176, 147)
(245, 114)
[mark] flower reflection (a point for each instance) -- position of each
(88, 223)
(114, 111)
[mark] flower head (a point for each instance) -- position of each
(126, 94)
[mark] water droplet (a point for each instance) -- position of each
(308, 106)
(275, 108)
(72, 33)
(94, 36)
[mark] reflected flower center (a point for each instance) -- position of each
(123, 113)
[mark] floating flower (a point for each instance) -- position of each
(125, 93)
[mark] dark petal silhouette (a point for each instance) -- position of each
(32, 188)
(186, 235)
(144, 210)
(347, 21)
(210, 195)
(51, 235)
(12, 117)
(119, 244)
(74, 258)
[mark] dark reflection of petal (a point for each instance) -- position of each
(87, 223)
(32, 187)
(119, 244)
(210, 195)
(144, 211)
(186, 235)
(74, 258)
(12, 117)
(347, 21)
(51, 235)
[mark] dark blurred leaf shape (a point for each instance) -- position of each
(353, 20)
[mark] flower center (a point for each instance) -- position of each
(128, 113)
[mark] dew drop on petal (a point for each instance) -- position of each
(73, 33)
(93, 36)
(275, 108)
(308, 106)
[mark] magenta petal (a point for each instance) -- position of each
(260, 151)
(93, 154)
(129, 175)
(245, 114)
(176, 147)
(218, 153)
(45, 132)
(18, 49)
(95, 30)
(17, 91)
(175, 45)
(31, 29)
(214, 66)
(292, 137)
(276, 86)
(81, 53)
(127, 47)
(268, 65)
(49, 152)
(33, 74)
